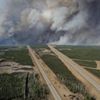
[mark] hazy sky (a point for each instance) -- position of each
(2, 4)
(50, 21)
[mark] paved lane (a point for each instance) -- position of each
(91, 82)
(39, 65)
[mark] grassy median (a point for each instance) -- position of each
(65, 75)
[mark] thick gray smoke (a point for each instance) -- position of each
(50, 21)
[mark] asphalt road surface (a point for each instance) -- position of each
(39, 65)
(90, 81)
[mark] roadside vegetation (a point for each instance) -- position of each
(22, 86)
(95, 72)
(65, 76)
(83, 55)
(25, 86)
(83, 63)
(39, 46)
(17, 54)
(12, 86)
(81, 52)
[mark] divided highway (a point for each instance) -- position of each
(90, 81)
(40, 66)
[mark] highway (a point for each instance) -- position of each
(89, 80)
(37, 71)
(63, 91)
(40, 66)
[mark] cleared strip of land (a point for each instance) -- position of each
(58, 90)
(60, 87)
(91, 82)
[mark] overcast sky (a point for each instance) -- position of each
(50, 21)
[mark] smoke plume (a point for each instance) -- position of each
(74, 22)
